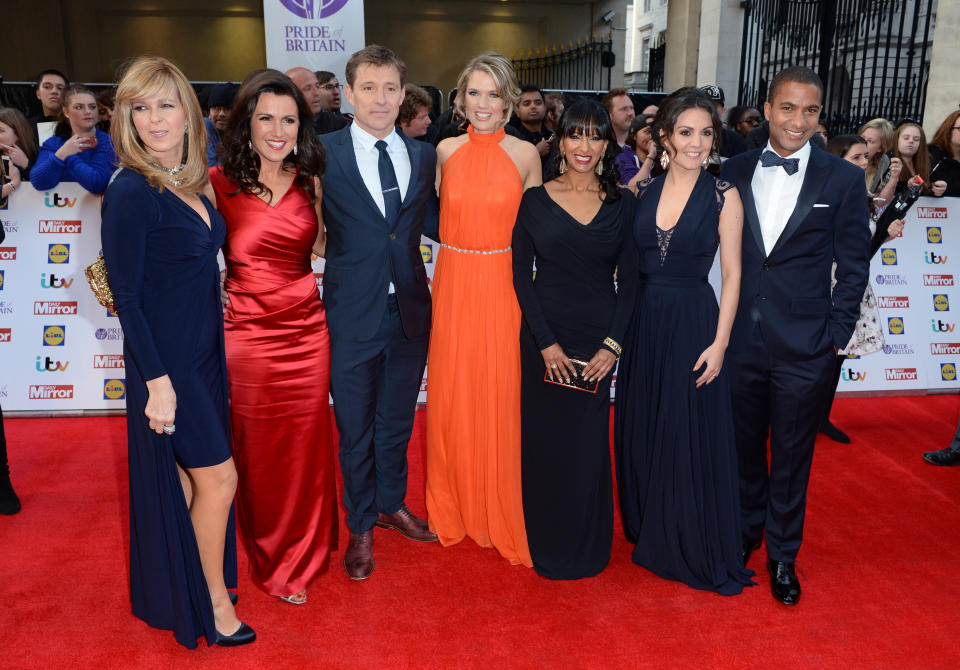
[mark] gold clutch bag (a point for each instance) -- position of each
(99, 282)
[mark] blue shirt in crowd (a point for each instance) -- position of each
(91, 168)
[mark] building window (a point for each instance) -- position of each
(645, 55)
(646, 5)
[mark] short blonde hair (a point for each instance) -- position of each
(504, 78)
(144, 77)
(886, 132)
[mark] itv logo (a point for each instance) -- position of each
(53, 281)
(57, 200)
(849, 375)
(934, 259)
(938, 326)
(47, 364)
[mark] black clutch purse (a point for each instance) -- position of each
(578, 382)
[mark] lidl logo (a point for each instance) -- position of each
(58, 253)
(889, 256)
(934, 236)
(895, 325)
(941, 302)
(948, 372)
(426, 250)
(54, 336)
(114, 389)
(111, 311)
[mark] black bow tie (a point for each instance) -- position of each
(770, 159)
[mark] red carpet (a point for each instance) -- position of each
(878, 568)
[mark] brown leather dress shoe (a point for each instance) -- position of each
(358, 559)
(410, 526)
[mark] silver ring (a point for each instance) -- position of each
(553, 365)
(170, 430)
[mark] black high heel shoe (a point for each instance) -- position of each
(244, 635)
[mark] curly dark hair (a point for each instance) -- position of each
(241, 164)
(675, 104)
(587, 116)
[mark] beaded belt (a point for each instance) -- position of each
(475, 251)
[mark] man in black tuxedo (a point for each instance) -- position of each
(803, 209)
(378, 195)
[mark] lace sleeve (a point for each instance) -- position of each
(721, 188)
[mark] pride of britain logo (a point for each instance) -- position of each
(314, 9)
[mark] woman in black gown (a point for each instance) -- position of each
(675, 451)
(160, 240)
(577, 228)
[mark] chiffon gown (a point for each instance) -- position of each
(565, 452)
(674, 443)
(162, 260)
(278, 356)
(473, 397)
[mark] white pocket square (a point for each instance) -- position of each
(821, 205)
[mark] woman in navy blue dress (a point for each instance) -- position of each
(160, 240)
(675, 450)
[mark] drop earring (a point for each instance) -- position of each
(563, 163)
(295, 149)
(600, 167)
(664, 160)
(250, 145)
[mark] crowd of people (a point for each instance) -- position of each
(574, 236)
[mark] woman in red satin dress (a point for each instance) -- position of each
(278, 349)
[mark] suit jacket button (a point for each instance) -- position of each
(766, 266)
(393, 236)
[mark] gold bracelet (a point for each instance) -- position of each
(613, 344)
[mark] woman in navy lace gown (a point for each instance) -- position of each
(675, 451)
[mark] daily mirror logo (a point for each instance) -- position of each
(931, 212)
(60, 226)
(8, 253)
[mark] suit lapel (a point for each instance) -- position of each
(818, 171)
(749, 204)
(348, 163)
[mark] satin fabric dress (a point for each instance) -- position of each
(675, 450)
(473, 394)
(278, 357)
(162, 260)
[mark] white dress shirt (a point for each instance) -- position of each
(776, 193)
(368, 161)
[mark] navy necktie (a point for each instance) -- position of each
(770, 159)
(388, 183)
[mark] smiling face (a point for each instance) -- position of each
(793, 115)
(376, 95)
(274, 126)
(908, 142)
(692, 139)
(857, 154)
(81, 111)
(482, 103)
(161, 123)
(583, 150)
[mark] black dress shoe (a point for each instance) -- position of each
(783, 582)
(9, 502)
(750, 545)
(834, 433)
(244, 635)
(948, 456)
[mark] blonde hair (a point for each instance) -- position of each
(144, 77)
(504, 78)
(886, 143)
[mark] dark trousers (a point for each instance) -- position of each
(784, 400)
(375, 385)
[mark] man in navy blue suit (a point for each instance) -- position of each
(378, 195)
(803, 209)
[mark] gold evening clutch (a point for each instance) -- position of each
(99, 283)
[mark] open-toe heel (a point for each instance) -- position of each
(295, 599)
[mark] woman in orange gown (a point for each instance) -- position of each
(278, 349)
(473, 395)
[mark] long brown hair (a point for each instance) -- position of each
(14, 118)
(670, 109)
(241, 164)
(63, 129)
(941, 138)
(920, 161)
